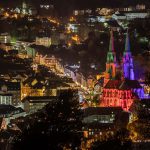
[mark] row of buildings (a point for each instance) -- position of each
(106, 11)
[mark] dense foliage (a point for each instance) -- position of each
(56, 127)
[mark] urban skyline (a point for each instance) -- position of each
(74, 75)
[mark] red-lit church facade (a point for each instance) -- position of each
(115, 98)
(119, 94)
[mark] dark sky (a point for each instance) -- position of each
(65, 6)
(78, 3)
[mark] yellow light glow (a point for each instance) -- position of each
(75, 38)
(72, 19)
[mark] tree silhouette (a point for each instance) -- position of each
(57, 126)
(119, 141)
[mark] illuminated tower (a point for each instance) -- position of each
(128, 60)
(111, 61)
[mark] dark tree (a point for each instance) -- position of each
(119, 141)
(56, 127)
(113, 144)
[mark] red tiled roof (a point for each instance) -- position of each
(123, 85)
(129, 84)
(113, 84)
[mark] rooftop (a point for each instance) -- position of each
(9, 109)
(40, 99)
(129, 84)
(123, 85)
(101, 111)
(113, 84)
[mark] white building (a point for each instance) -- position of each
(129, 15)
(10, 93)
(136, 14)
(6, 99)
(119, 16)
(5, 38)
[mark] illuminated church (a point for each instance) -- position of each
(120, 92)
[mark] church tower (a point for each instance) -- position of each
(111, 61)
(128, 60)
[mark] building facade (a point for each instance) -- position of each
(10, 93)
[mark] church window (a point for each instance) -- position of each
(110, 93)
(104, 93)
(124, 104)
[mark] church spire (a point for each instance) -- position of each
(111, 55)
(111, 61)
(128, 60)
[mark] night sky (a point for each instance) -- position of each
(79, 3)
(65, 7)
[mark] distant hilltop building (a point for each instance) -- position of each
(132, 8)
(25, 9)
(46, 9)
(120, 86)
(82, 12)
